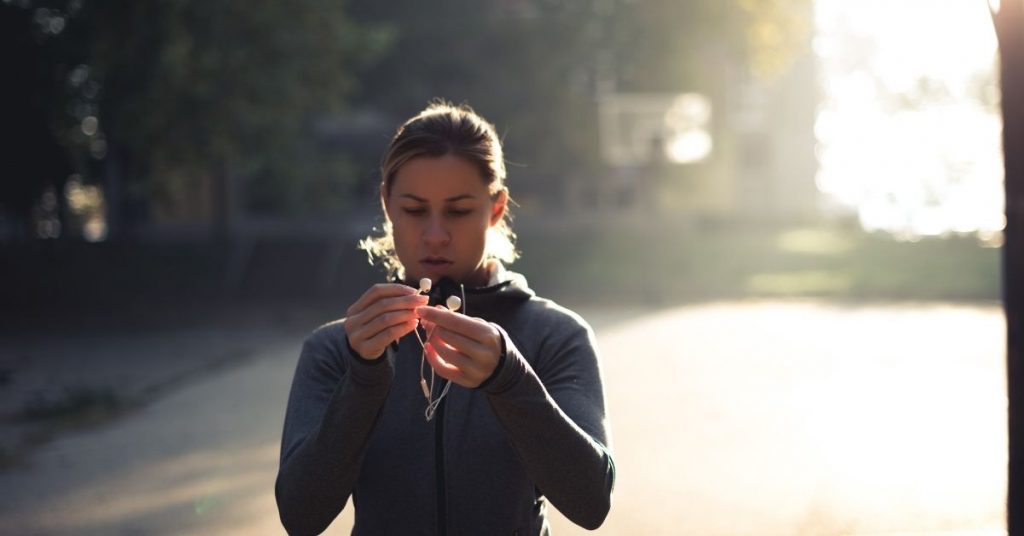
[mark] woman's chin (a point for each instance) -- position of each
(433, 271)
(436, 271)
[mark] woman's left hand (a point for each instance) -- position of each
(462, 349)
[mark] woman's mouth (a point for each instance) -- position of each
(435, 262)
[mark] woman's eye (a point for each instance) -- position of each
(459, 211)
(415, 211)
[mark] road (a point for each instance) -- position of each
(730, 418)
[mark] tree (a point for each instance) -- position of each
(32, 156)
(179, 95)
(1008, 17)
(157, 100)
(536, 67)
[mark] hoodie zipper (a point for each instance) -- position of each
(442, 494)
(442, 498)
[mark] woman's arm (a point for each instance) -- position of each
(335, 401)
(341, 382)
(558, 426)
(554, 416)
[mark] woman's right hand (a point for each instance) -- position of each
(384, 313)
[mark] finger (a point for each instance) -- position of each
(474, 328)
(378, 291)
(470, 373)
(395, 303)
(441, 344)
(442, 367)
(381, 307)
(375, 345)
(385, 321)
(391, 334)
(472, 348)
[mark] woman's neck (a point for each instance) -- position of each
(480, 277)
(488, 273)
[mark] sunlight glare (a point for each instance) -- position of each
(908, 136)
(692, 145)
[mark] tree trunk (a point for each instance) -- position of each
(113, 192)
(1009, 23)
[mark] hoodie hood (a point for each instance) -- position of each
(506, 289)
(512, 290)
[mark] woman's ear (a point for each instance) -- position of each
(499, 206)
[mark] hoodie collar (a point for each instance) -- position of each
(505, 288)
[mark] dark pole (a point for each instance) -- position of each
(1009, 24)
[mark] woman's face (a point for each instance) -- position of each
(440, 211)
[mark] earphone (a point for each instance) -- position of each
(452, 303)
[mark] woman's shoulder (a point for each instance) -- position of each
(553, 336)
(331, 328)
(555, 317)
(326, 340)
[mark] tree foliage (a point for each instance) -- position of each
(537, 67)
(177, 92)
(166, 97)
(30, 151)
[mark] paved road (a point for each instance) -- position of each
(740, 418)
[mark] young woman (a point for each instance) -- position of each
(455, 419)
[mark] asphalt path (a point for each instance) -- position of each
(730, 418)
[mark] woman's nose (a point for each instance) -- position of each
(435, 233)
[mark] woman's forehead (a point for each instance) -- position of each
(438, 179)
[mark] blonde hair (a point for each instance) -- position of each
(440, 129)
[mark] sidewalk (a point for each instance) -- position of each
(200, 460)
(78, 379)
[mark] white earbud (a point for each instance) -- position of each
(454, 303)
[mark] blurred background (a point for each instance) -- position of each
(806, 196)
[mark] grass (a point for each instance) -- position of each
(43, 418)
(661, 264)
(76, 406)
(604, 262)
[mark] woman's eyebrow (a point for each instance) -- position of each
(450, 199)
(460, 197)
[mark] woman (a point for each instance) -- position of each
(510, 384)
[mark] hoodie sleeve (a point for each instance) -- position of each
(555, 419)
(335, 401)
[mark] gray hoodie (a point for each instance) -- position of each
(535, 431)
